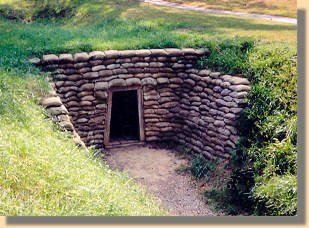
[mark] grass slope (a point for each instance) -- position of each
(41, 165)
(43, 173)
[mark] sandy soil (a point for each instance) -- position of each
(155, 168)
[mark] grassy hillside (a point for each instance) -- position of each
(263, 166)
(43, 173)
(41, 165)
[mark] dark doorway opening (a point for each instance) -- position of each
(124, 123)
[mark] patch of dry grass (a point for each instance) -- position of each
(286, 8)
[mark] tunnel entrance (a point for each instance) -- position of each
(125, 120)
(124, 117)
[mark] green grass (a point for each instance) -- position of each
(287, 8)
(278, 195)
(266, 155)
(135, 21)
(42, 171)
(38, 163)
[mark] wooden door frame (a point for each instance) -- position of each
(109, 112)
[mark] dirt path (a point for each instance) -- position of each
(205, 10)
(155, 168)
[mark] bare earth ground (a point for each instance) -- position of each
(155, 168)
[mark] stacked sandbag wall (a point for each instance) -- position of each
(196, 108)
